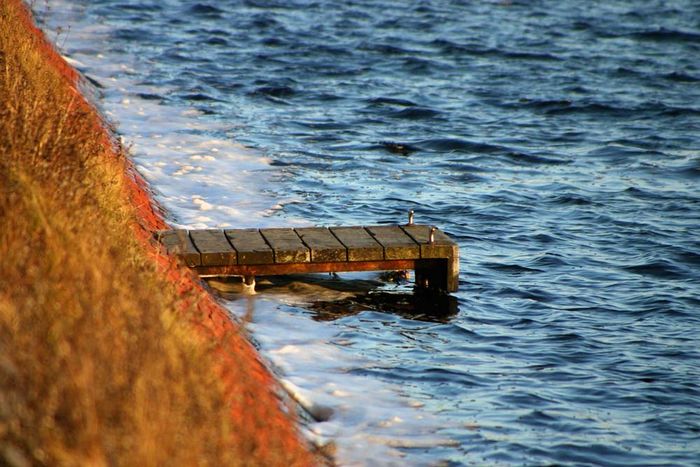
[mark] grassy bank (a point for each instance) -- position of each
(109, 354)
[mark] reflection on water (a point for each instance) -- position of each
(330, 297)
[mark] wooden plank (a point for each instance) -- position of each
(214, 247)
(250, 246)
(323, 245)
(397, 244)
(287, 246)
(360, 244)
(178, 242)
(441, 248)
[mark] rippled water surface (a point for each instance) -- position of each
(556, 141)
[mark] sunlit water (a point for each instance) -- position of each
(556, 141)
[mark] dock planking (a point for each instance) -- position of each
(214, 248)
(361, 246)
(250, 246)
(278, 251)
(324, 246)
(397, 244)
(286, 245)
(179, 243)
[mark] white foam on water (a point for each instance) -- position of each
(208, 181)
(366, 419)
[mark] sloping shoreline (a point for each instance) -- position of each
(253, 429)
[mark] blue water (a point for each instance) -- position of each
(556, 141)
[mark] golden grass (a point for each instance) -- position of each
(100, 362)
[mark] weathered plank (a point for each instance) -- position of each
(178, 242)
(250, 246)
(287, 246)
(214, 247)
(323, 245)
(397, 244)
(442, 247)
(360, 244)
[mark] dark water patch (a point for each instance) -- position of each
(526, 158)
(514, 269)
(204, 10)
(414, 113)
(667, 35)
(274, 91)
(265, 21)
(217, 41)
(593, 108)
(130, 34)
(459, 145)
(149, 96)
(199, 97)
(681, 77)
(661, 269)
(571, 199)
(537, 295)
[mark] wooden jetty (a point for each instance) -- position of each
(269, 252)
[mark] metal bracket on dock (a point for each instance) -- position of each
(264, 252)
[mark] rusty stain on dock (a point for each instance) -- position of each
(259, 252)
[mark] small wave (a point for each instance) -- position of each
(131, 34)
(681, 77)
(275, 91)
(199, 97)
(452, 48)
(149, 96)
(384, 49)
(204, 9)
(533, 159)
(532, 294)
(550, 260)
(662, 269)
(667, 35)
(392, 101)
(459, 145)
(216, 41)
(591, 108)
(415, 113)
(264, 21)
(571, 199)
(514, 269)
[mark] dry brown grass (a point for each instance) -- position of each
(99, 360)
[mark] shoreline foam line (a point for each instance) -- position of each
(252, 404)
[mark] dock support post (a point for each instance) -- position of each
(439, 273)
(432, 274)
